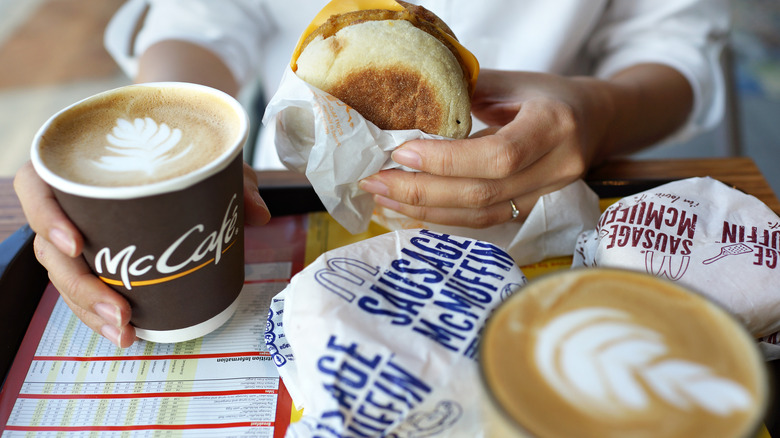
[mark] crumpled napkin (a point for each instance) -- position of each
(335, 147)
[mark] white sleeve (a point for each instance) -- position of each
(232, 29)
(687, 35)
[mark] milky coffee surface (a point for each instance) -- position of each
(612, 354)
(139, 135)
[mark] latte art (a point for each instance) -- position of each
(605, 364)
(612, 353)
(139, 135)
(141, 146)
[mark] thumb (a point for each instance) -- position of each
(497, 85)
(498, 96)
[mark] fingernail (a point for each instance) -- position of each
(407, 157)
(109, 313)
(387, 202)
(111, 333)
(63, 241)
(374, 186)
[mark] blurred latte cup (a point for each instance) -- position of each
(604, 353)
(152, 176)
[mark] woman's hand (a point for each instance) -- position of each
(58, 246)
(545, 131)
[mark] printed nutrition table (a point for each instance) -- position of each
(74, 382)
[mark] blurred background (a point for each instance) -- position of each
(51, 54)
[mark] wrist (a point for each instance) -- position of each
(602, 107)
(650, 102)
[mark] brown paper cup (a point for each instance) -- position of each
(175, 248)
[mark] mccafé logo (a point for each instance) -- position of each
(129, 265)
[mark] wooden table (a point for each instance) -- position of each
(741, 173)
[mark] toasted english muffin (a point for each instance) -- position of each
(396, 68)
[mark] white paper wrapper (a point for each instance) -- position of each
(335, 147)
(380, 337)
(702, 234)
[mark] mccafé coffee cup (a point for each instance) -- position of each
(614, 353)
(152, 177)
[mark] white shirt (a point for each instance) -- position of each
(255, 38)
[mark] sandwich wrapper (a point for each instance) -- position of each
(379, 338)
(335, 147)
(701, 234)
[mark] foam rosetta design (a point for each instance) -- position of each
(141, 146)
(604, 363)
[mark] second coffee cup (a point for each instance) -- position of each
(614, 353)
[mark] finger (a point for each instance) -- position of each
(101, 308)
(499, 94)
(503, 86)
(484, 217)
(532, 133)
(426, 190)
(122, 337)
(490, 130)
(43, 212)
(255, 210)
(494, 214)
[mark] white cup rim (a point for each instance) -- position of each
(142, 190)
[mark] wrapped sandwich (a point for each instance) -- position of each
(366, 77)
